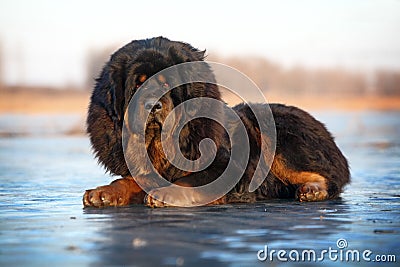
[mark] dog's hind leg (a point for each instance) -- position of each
(311, 186)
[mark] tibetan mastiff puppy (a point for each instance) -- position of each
(307, 164)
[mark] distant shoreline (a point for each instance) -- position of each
(43, 101)
(51, 101)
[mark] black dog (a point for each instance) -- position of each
(307, 164)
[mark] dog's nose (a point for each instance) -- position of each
(152, 106)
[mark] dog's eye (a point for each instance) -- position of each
(161, 79)
(140, 80)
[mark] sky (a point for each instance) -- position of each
(47, 42)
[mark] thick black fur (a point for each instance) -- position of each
(116, 85)
(302, 141)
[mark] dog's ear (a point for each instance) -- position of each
(111, 85)
(115, 73)
(185, 53)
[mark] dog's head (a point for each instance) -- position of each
(135, 68)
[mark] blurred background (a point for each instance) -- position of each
(339, 60)
(313, 54)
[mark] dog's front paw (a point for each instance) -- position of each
(171, 196)
(160, 197)
(312, 191)
(120, 192)
(103, 196)
(153, 202)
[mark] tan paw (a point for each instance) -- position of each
(162, 197)
(103, 196)
(153, 202)
(172, 196)
(312, 191)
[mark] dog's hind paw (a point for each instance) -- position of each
(311, 191)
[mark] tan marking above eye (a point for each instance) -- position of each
(161, 79)
(142, 78)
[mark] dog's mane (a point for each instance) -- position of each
(107, 107)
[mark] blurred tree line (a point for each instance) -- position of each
(273, 78)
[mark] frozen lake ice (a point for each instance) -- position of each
(44, 173)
